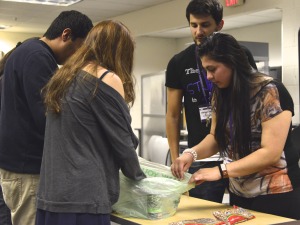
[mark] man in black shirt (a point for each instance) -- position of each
(186, 82)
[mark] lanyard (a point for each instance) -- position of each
(202, 75)
(231, 129)
(231, 133)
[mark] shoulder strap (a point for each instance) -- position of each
(103, 75)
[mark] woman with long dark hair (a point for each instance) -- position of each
(250, 127)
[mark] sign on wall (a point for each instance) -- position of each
(231, 3)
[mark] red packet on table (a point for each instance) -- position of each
(234, 215)
(203, 221)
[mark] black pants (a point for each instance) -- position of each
(51, 218)
(5, 218)
(285, 204)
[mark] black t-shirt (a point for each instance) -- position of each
(182, 73)
(285, 98)
(290, 149)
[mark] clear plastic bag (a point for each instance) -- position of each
(154, 197)
(152, 169)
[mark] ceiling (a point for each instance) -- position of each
(33, 18)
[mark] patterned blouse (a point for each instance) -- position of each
(274, 179)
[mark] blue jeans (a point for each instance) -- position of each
(5, 218)
(209, 190)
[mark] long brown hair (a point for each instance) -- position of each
(110, 45)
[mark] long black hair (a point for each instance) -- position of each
(231, 104)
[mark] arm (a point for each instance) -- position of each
(274, 135)
(174, 107)
(206, 148)
(38, 68)
(114, 118)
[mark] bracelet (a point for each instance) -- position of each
(223, 171)
(192, 152)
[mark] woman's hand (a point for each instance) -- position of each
(206, 174)
(181, 165)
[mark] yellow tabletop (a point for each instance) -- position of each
(193, 208)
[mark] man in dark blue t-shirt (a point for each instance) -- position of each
(22, 116)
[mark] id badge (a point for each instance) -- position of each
(205, 114)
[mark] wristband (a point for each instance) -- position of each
(223, 171)
(192, 152)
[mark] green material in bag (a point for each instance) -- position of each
(154, 197)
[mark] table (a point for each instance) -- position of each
(193, 208)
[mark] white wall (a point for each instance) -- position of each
(8, 40)
(151, 55)
(290, 58)
(268, 33)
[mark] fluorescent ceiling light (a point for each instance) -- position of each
(47, 2)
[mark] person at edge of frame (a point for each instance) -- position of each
(251, 129)
(5, 217)
(22, 115)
